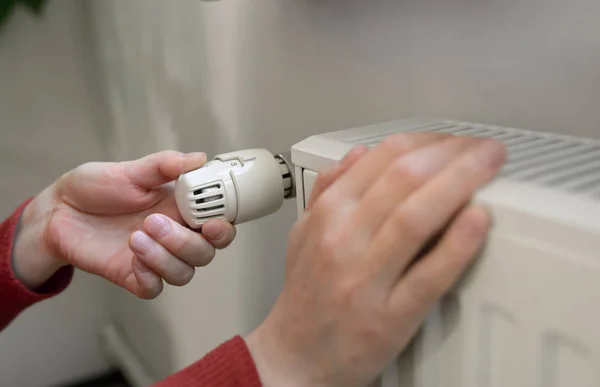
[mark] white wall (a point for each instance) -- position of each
(224, 75)
(48, 111)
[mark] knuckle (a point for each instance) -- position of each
(345, 291)
(423, 290)
(52, 235)
(325, 204)
(458, 257)
(485, 155)
(411, 223)
(469, 164)
(459, 190)
(153, 253)
(355, 153)
(397, 143)
(468, 141)
(376, 330)
(401, 169)
(322, 182)
(332, 247)
(178, 242)
(324, 178)
(331, 243)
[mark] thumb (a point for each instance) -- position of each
(161, 167)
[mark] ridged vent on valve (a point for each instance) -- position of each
(566, 163)
(208, 202)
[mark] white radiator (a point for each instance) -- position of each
(528, 312)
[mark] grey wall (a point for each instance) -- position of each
(48, 112)
(227, 75)
(318, 65)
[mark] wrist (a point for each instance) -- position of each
(32, 262)
(276, 364)
(266, 362)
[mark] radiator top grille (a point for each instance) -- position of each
(565, 162)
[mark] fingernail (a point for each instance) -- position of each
(157, 225)
(140, 242)
(426, 161)
(192, 155)
(491, 153)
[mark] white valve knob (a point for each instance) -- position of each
(237, 187)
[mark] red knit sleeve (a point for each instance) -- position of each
(14, 296)
(229, 365)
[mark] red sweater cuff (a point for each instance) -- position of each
(229, 365)
(14, 296)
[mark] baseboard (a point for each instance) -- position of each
(124, 358)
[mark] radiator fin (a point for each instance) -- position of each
(564, 162)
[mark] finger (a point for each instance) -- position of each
(330, 175)
(403, 176)
(148, 284)
(362, 176)
(160, 260)
(435, 274)
(424, 213)
(218, 233)
(183, 243)
(162, 167)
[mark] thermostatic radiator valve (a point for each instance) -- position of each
(236, 187)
